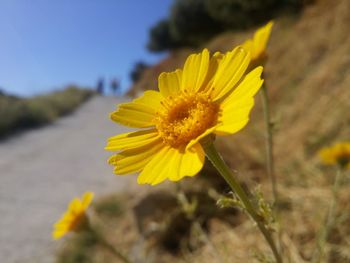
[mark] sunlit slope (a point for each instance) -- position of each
(308, 76)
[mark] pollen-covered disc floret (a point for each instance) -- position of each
(184, 117)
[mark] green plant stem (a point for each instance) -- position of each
(269, 142)
(322, 239)
(226, 173)
(270, 162)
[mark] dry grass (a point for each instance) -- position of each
(308, 77)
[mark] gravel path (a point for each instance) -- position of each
(42, 170)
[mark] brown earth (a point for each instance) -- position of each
(308, 78)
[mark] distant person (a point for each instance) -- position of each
(115, 87)
(100, 86)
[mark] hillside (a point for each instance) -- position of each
(307, 74)
(308, 77)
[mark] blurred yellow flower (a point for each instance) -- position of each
(338, 154)
(257, 45)
(74, 219)
(209, 96)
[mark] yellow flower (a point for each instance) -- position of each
(257, 45)
(338, 154)
(74, 219)
(209, 96)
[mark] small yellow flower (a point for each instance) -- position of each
(338, 154)
(74, 219)
(257, 45)
(209, 96)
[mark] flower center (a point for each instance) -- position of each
(185, 117)
(343, 159)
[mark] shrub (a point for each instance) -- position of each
(18, 114)
(192, 22)
(137, 71)
(160, 38)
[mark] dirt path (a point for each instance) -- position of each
(41, 170)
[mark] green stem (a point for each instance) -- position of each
(322, 240)
(270, 162)
(269, 142)
(226, 173)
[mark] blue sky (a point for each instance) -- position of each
(46, 44)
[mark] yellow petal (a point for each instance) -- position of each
(62, 229)
(327, 156)
(150, 99)
(58, 234)
(87, 199)
(74, 205)
(195, 71)
(196, 140)
(140, 112)
(250, 85)
(339, 154)
(230, 70)
(134, 160)
(170, 83)
(69, 219)
(236, 107)
(218, 56)
(174, 164)
(261, 37)
(65, 219)
(227, 128)
(192, 162)
(131, 140)
(62, 225)
(213, 66)
(249, 46)
(152, 170)
(133, 115)
(112, 160)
